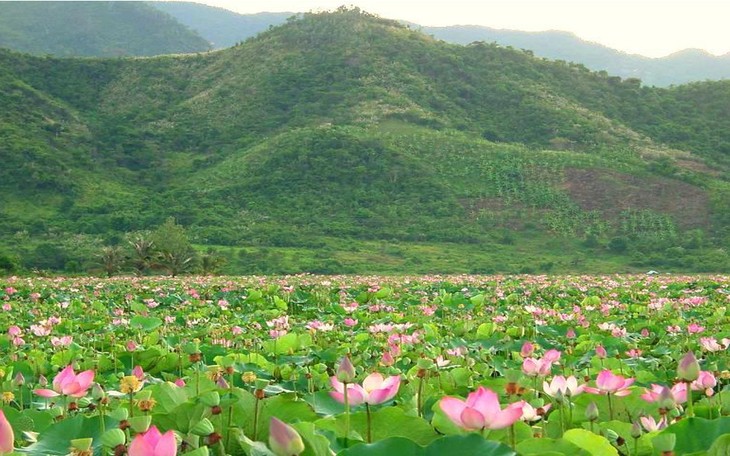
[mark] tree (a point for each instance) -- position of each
(174, 250)
(143, 252)
(211, 262)
(111, 259)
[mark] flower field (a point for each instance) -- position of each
(310, 365)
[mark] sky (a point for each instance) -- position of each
(653, 28)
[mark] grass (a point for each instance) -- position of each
(335, 255)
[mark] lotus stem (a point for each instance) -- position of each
(369, 423)
(690, 405)
(610, 406)
(347, 414)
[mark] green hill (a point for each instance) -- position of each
(341, 142)
(225, 28)
(94, 28)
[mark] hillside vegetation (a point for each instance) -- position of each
(225, 28)
(341, 142)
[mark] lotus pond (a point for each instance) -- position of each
(358, 366)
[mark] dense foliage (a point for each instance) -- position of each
(343, 142)
(93, 29)
(225, 28)
(315, 366)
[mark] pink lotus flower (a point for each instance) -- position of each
(710, 344)
(63, 341)
(531, 414)
(69, 384)
(481, 410)
(7, 437)
(527, 349)
(387, 359)
(284, 440)
(561, 387)
(375, 390)
(536, 367)
(152, 443)
(665, 396)
(601, 352)
(608, 383)
(540, 367)
(706, 381)
(694, 328)
(650, 424)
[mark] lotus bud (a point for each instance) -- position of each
(42, 381)
(284, 440)
(138, 372)
(387, 359)
(97, 392)
(636, 430)
(19, 380)
(345, 371)
(666, 399)
(222, 383)
(592, 412)
(688, 369)
(601, 352)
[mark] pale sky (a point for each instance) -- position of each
(653, 28)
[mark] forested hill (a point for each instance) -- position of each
(131, 28)
(224, 28)
(94, 28)
(341, 142)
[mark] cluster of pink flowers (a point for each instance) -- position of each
(279, 326)
(316, 325)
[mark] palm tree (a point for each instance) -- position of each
(111, 259)
(210, 263)
(143, 252)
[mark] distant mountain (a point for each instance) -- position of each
(224, 28)
(341, 142)
(221, 27)
(94, 28)
(678, 68)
